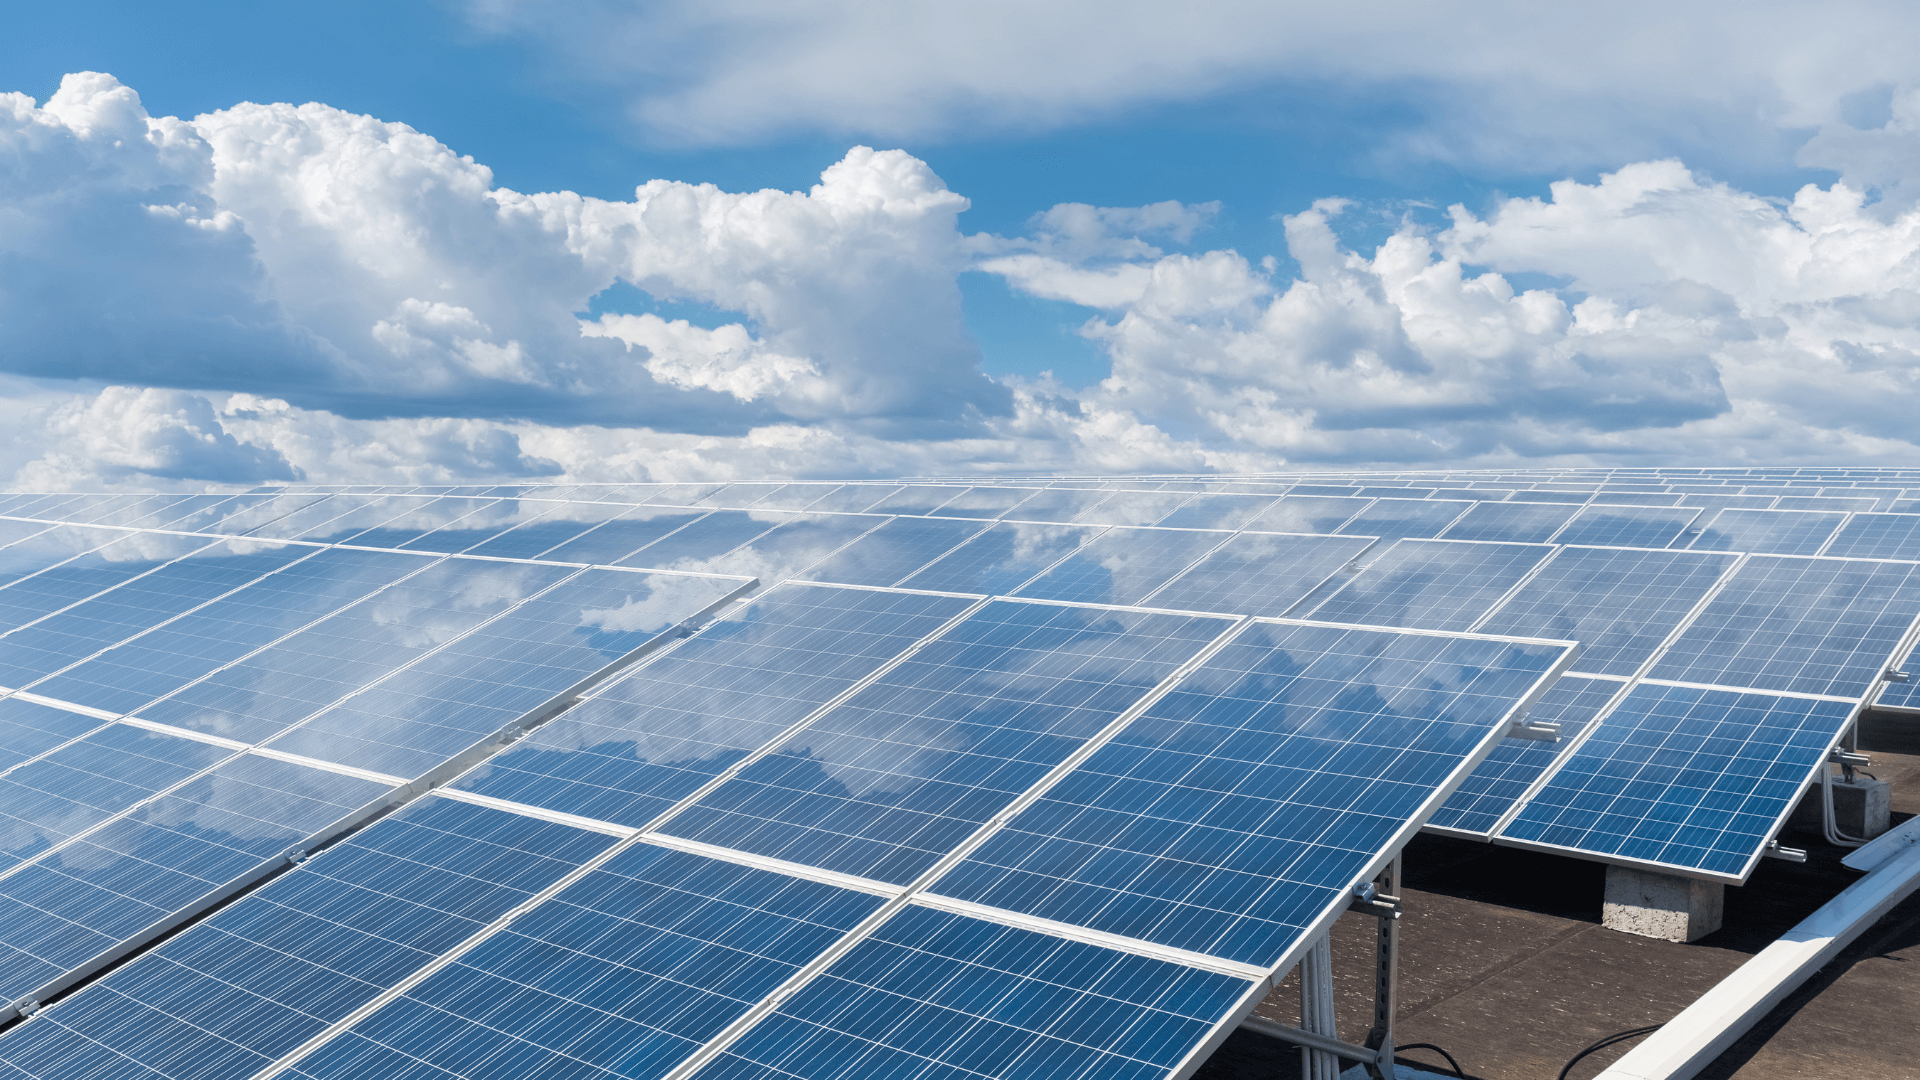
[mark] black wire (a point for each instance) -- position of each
(1617, 1037)
(1457, 1070)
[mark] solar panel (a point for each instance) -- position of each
(1770, 532)
(885, 783)
(1242, 806)
(1684, 778)
(1810, 626)
(655, 736)
(1059, 504)
(1619, 603)
(1123, 566)
(1510, 522)
(1496, 785)
(1877, 536)
(715, 534)
(1260, 573)
(1391, 519)
(1308, 514)
(1431, 584)
(1626, 526)
(1002, 558)
(918, 501)
(1217, 511)
(895, 550)
(984, 502)
(1134, 508)
(252, 982)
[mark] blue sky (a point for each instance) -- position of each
(1663, 216)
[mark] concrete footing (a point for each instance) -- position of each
(1862, 808)
(1662, 905)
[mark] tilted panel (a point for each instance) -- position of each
(1496, 785)
(1431, 584)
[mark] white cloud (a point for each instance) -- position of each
(1503, 82)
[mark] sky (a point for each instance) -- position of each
(247, 242)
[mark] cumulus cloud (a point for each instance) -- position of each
(1501, 82)
(356, 265)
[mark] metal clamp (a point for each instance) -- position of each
(1369, 900)
(1786, 854)
(1895, 675)
(1535, 730)
(27, 1007)
(1850, 759)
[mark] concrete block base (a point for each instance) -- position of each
(1661, 905)
(1861, 808)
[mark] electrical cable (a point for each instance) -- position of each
(1457, 1070)
(1616, 1037)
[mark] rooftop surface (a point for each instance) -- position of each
(1505, 964)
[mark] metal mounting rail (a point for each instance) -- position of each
(1702, 1032)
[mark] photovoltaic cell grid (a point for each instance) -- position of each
(438, 520)
(1492, 789)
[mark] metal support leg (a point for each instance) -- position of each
(1386, 977)
(1316, 1010)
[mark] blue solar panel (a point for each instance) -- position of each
(1770, 532)
(1627, 526)
(1002, 559)
(1058, 504)
(1685, 778)
(252, 982)
(1134, 508)
(1619, 604)
(713, 535)
(917, 501)
(1259, 573)
(1878, 536)
(1509, 522)
(794, 543)
(1243, 806)
(1810, 626)
(1217, 512)
(1123, 566)
(1391, 519)
(1496, 785)
(1309, 514)
(887, 782)
(655, 736)
(625, 973)
(29, 729)
(1431, 584)
(895, 550)
(984, 502)
(938, 996)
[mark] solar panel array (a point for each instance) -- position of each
(1045, 777)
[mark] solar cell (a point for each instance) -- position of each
(1877, 536)
(1516, 523)
(1259, 573)
(1620, 604)
(1001, 559)
(1134, 508)
(984, 502)
(1496, 785)
(887, 782)
(938, 995)
(29, 729)
(1123, 566)
(1217, 511)
(1626, 526)
(895, 550)
(918, 500)
(1058, 504)
(1812, 502)
(1242, 807)
(852, 499)
(1431, 584)
(711, 536)
(653, 737)
(1767, 532)
(257, 979)
(625, 973)
(1692, 779)
(63, 566)
(1810, 626)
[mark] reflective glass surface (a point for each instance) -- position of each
(1618, 604)
(624, 974)
(1217, 512)
(656, 735)
(711, 536)
(852, 499)
(1497, 784)
(1134, 508)
(791, 544)
(895, 550)
(1123, 566)
(1393, 518)
(1001, 559)
(65, 565)
(1512, 522)
(1259, 573)
(71, 905)
(918, 500)
(984, 502)
(1878, 536)
(1685, 777)
(898, 775)
(258, 978)
(29, 729)
(1299, 513)
(1230, 816)
(935, 996)
(1770, 532)
(1059, 504)
(1627, 526)
(1810, 626)
(611, 541)
(1431, 584)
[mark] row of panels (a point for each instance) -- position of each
(812, 730)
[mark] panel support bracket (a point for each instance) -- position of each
(1386, 975)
